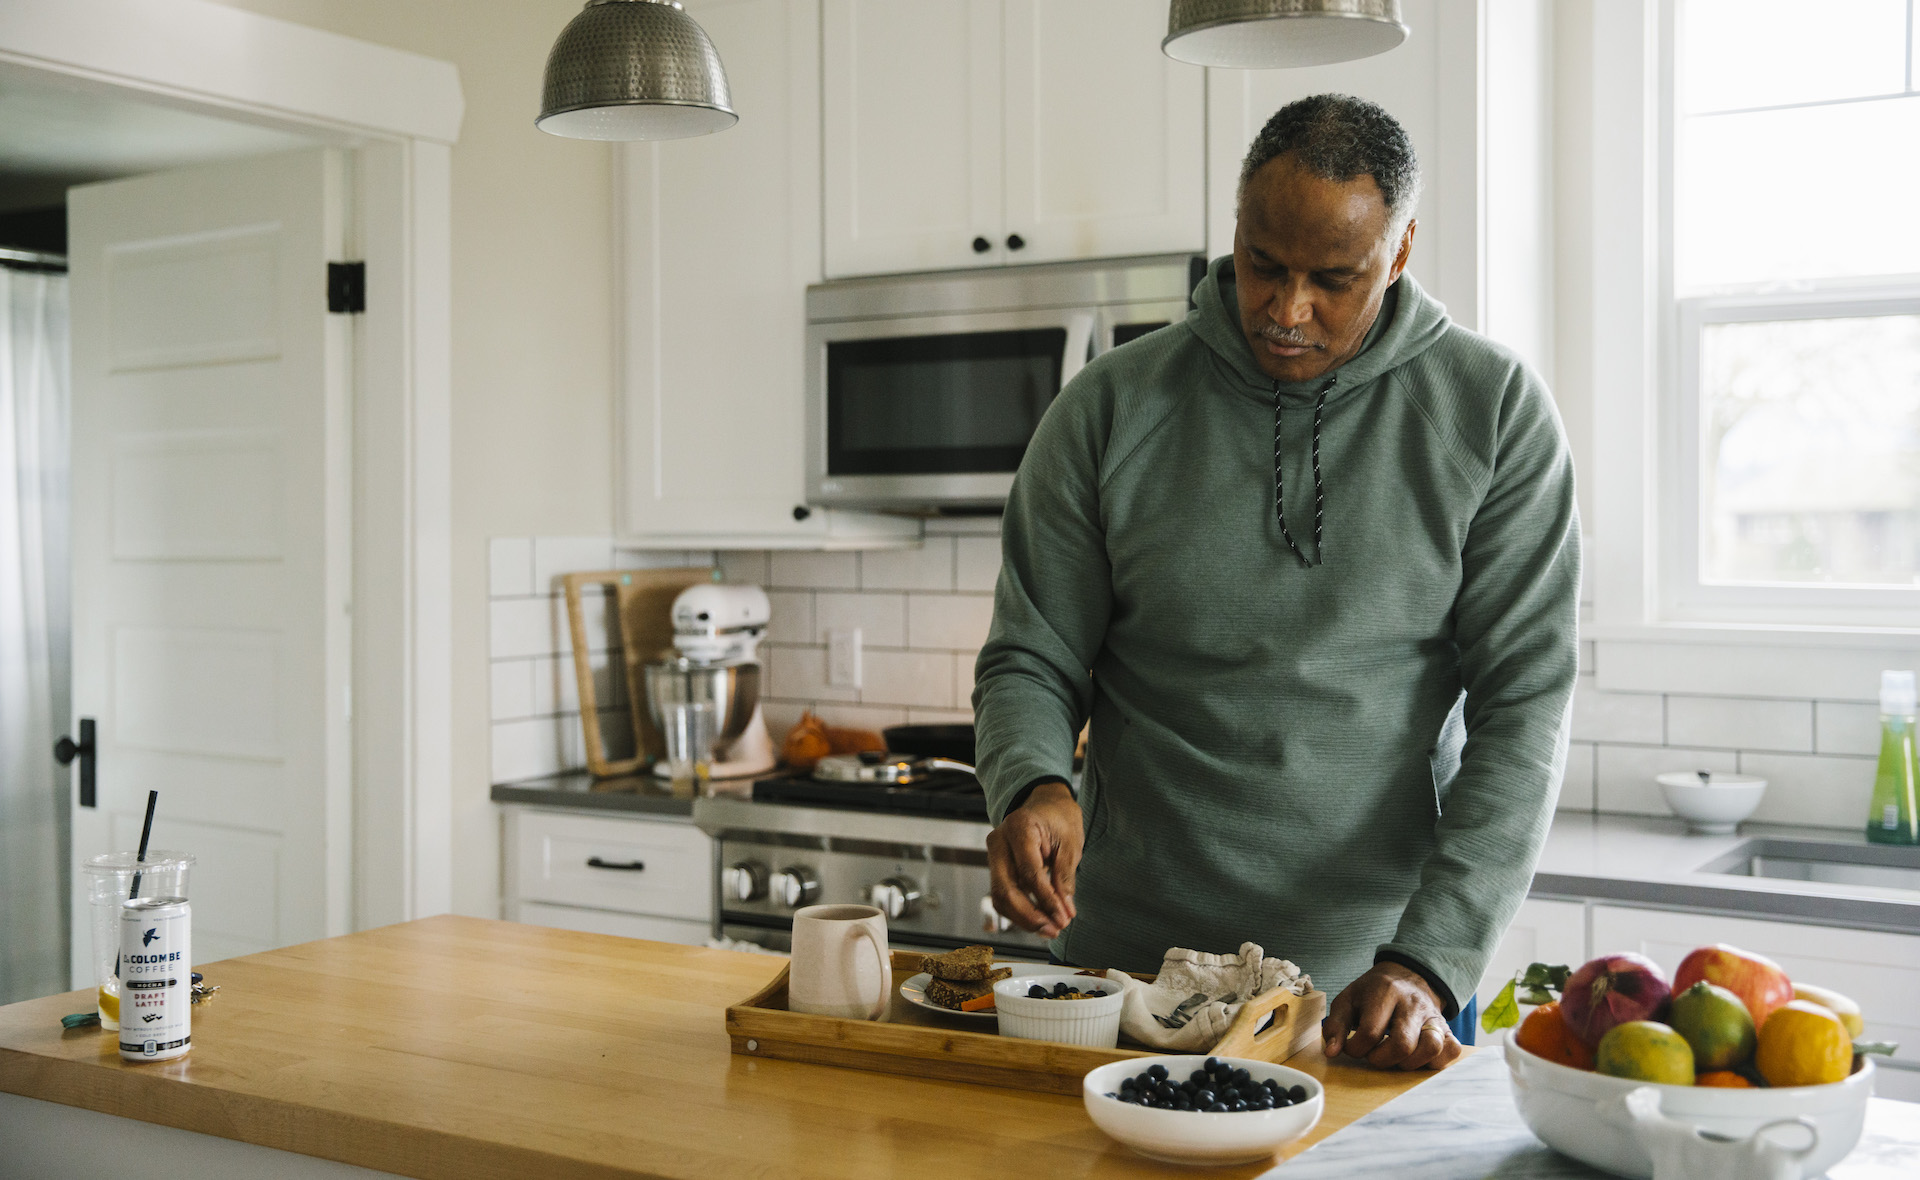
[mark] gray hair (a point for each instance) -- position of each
(1338, 137)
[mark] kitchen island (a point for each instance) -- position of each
(461, 1047)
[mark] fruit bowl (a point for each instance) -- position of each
(1583, 1114)
(1712, 804)
(1195, 1136)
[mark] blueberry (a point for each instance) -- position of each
(1297, 1093)
(1282, 1101)
(1111, 1094)
(1181, 1103)
(1199, 1077)
(1217, 1108)
(1228, 1093)
(1129, 1084)
(1272, 1086)
(1036, 992)
(1238, 1107)
(1157, 1072)
(1205, 1098)
(1241, 1077)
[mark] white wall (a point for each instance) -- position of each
(532, 336)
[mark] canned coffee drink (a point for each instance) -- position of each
(156, 978)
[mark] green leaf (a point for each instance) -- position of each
(1537, 996)
(1884, 1048)
(1557, 977)
(1534, 976)
(1502, 1013)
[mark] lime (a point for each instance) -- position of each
(1716, 1024)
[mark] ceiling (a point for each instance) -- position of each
(56, 132)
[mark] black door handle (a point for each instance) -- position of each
(1016, 242)
(632, 866)
(66, 750)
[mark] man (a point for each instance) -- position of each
(1309, 562)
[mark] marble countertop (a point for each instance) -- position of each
(1462, 1125)
(1651, 861)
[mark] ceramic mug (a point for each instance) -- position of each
(840, 964)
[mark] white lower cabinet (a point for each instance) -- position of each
(624, 875)
(1880, 971)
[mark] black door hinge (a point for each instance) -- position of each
(346, 287)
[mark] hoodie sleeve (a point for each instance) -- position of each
(1033, 684)
(1515, 626)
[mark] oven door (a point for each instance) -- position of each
(934, 412)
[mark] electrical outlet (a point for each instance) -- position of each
(843, 658)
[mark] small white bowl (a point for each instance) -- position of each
(1195, 1136)
(1573, 1112)
(1713, 807)
(1093, 1022)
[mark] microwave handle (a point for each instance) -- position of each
(1079, 344)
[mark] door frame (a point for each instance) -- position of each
(400, 112)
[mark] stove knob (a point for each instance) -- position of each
(746, 881)
(795, 886)
(992, 921)
(896, 897)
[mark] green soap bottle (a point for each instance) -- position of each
(1894, 817)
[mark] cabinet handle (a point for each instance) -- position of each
(801, 511)
(632, 866)
(1016, 242)
(981, 245)
(66, 750)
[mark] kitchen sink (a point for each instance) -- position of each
(1876, 866)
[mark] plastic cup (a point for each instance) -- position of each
(110, 881)
(690, 736)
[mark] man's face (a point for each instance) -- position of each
(1311, 263)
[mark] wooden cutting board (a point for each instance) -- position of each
(642, 612)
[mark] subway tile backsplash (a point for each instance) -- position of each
(924, 612)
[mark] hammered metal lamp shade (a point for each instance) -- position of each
(1268, 34)
(634, 69)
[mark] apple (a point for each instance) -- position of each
(1756, 979)
(1612, 990)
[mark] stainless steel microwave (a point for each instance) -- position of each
(924, 390)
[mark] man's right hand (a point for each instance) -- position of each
(1032, 856)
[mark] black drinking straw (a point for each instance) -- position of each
(146, 833)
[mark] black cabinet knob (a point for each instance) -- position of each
(66, 750)
(801, 512)
(981, 245)
(1016, 242)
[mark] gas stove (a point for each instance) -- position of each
(945, 793)
(917, 852)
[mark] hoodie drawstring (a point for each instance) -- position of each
(1319, 492)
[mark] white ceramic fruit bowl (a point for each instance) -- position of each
(1713, 806)
(1584, 1115)
(1194, 1136)
(1094, 1022)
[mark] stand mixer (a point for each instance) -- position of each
(717, 630)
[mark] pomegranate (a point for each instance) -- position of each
(1612, 990)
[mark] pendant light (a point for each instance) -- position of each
(1269, 34)
(634, 69)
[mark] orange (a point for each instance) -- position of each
(1803, 1044)
(1726, 1079)
(1544, 1034)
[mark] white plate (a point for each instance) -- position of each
(913, 989)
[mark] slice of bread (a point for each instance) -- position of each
(969, 962)
(951, 993)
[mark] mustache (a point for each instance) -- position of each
(1286, 337)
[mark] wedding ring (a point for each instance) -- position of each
(1438, 1024)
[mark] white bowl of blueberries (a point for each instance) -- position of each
(1203, 1110)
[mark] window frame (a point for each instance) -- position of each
(1682, 594)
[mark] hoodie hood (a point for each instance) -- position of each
(1410, 322)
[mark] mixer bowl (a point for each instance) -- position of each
(732, 689)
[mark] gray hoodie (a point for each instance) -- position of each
(1339, 761)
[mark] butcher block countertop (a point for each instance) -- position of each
(469, 1049)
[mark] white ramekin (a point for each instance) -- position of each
(1094, 1022)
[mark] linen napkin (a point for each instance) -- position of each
(1193, 1002)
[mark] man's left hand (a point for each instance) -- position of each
(1390, 1018)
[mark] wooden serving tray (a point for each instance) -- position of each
(911, 1040)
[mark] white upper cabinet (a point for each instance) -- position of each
(720, 236)
(985, 132)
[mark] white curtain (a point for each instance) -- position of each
(34, 667)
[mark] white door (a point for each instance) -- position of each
(911, 94)
(211, 534)
(1105, 134)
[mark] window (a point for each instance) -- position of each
(1794, 443)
